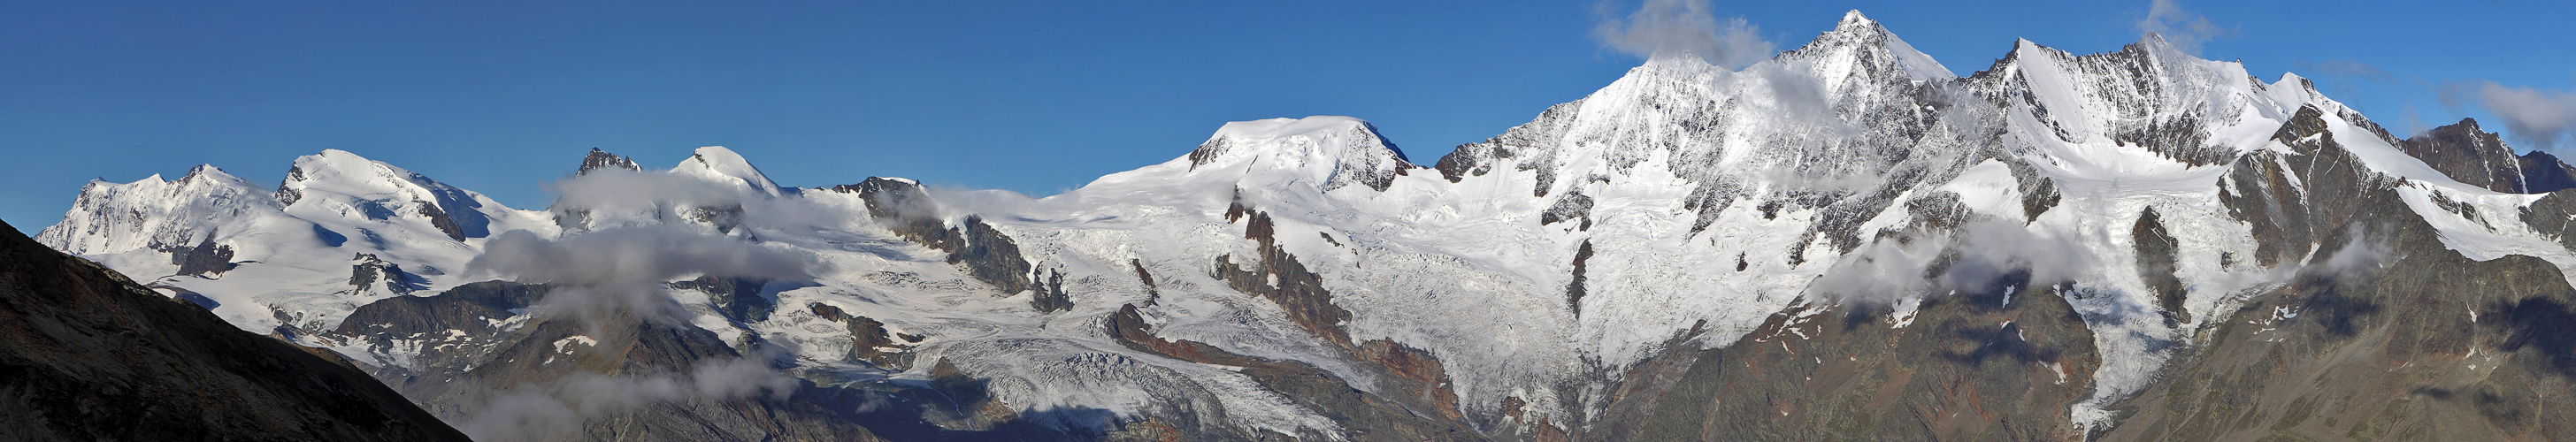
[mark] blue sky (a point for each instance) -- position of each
(1035, 97)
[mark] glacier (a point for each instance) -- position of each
(1683, 207)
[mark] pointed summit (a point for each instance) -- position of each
(1857, 41)
(2154, 39)
(600, 159)
(1854, 21)
(153, 213)
(205, 170)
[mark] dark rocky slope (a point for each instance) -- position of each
(86, 354)
(462, 371)
(2385, 334)
(2477, 157)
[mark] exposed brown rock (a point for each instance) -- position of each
(1574, 289)
(1367, 416)
(86, 354)
(1970, 367)
(738, 299)
(2544, 173)
(206, 258)
(2388, 349)
(439, 219)
(2471, 155)
(2156, 263)
(1050, 296)
(988, 254)
(599, 159)
(1152, 295)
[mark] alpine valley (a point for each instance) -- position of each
(1844, 242)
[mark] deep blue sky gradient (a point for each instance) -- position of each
(1035, 97)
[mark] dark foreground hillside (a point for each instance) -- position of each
(86, 354)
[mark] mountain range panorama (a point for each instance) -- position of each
(1846, 241)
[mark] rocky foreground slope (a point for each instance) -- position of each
(1848, 241)
(86, 354)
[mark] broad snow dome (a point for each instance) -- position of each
(1331, 151)
(723, 165)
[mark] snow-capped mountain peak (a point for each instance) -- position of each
(721, 164)
(1854, 19)
(1330, 152)
(356, 187)
(1857, 41)
(2046, 239)
(152, 213)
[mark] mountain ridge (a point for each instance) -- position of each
(2076, 232)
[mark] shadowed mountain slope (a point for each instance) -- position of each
(86, 354)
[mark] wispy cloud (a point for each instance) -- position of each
(2184, 29)
(555, 410)
(2358, 254)
(620, 270)
(1664, 28)
(601, 273)
(1972, 258)
(2537, 118)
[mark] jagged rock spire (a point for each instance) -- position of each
(600, 159)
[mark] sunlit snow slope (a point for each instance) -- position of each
(1305, 277)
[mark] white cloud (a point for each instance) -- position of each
(2357, 254)
(2184, 29)
(555, 410)
(1662, 28)
(623, 269)
(2538, 118)
(1976, 256)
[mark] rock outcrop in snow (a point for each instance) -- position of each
(1847, 240)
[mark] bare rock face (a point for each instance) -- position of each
(2470, 155)
(2385, 333)
(2544, 173)
(1376, 418)
(478, 343)
(738, 299)
(1973, 366)
(600, 159)
(2156, 263)
(205, 258)
(368, 271)
(987, 254)
(89, 355)
(1280, 278)
(871, 343)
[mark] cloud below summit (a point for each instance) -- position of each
(556, 409)
(601, 273)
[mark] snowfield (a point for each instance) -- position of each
(1690, 196)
